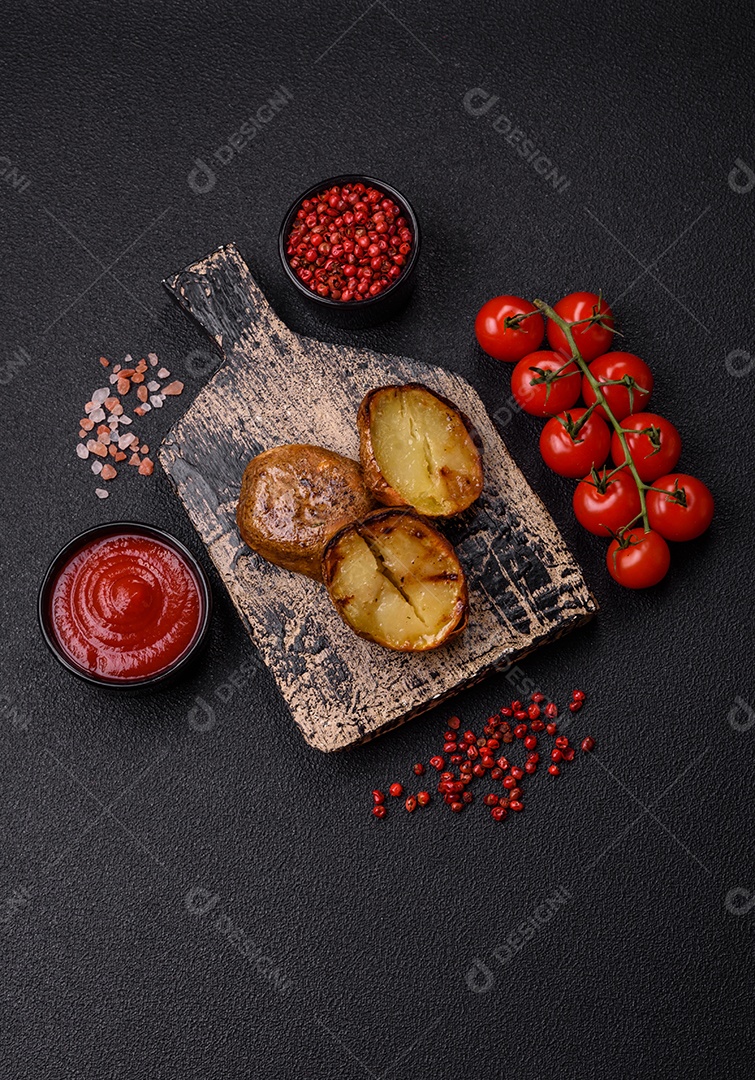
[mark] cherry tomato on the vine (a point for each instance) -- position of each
(609, 510)
(592, 338)
(622, 400)
(501, 331)
(574, 456)
(678, 517)
(654, 453)
(542, 392)
(642, 561)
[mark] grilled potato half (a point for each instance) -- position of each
(416, 450)
(396, 581)
(293, 499)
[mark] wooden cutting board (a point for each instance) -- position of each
(279, 387)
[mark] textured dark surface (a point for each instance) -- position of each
(112, 810)
(276, 387)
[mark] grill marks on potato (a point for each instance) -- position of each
(416, 451)
(396, 581)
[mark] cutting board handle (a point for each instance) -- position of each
(221, 294)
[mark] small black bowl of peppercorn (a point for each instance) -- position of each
(350, 245)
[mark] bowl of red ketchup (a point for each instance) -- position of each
(125, 606)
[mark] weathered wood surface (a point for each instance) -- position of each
(278, 387)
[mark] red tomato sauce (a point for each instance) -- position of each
(126, 607)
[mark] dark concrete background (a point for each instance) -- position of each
(150, 854)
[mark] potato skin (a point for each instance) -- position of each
(293, 499)
(387, 520)
(376, 483)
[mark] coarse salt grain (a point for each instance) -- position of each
(99, 395)
(98, 415)
(163, 373)
(108, 472)
(96, 467)
(153, 386)
(156, 401)
(101, 493)
(152, 357)
(82, 451)
(173, 389)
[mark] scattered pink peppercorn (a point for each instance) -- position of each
(474, 757)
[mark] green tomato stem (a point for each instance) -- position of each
(577, 358)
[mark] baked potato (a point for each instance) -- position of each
(293, 499)
(396, 581)
(417, 449)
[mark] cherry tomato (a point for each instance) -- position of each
(608, 511)
(673, 518)
(643, 562)
(501, 331)
(593, 338)
(545, 398)
(620, 365)
(653, 454)
(569, 456)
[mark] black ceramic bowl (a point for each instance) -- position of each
(44, 612)
(374, 309)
